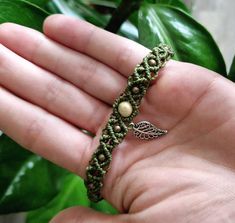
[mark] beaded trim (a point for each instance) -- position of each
(119, 123)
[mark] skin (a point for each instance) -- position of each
(54, 84)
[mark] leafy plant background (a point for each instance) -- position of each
(32, 184)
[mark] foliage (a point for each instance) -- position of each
(25, 176)
(29, 182)
(190, 40)
(175, 3)
(22, 12)
(71, 194)
(231, 73)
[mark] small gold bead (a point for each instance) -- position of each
(140, 68)
(152, 62)
(101, 157)
(135, 90)
(117, 128)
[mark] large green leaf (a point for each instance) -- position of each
(190, 40)
(231, 74)
(26, 180)
(22, 12)
(73, 193)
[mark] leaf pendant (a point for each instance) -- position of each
(147, 131)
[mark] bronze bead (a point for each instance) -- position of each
(140, 68)
(152, 62)
(135, 90)
(117, 128)
(101, 157)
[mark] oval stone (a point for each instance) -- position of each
(125, 109)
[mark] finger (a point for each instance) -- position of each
(119, 53)
(88, 74)
(50, 92)
(43, 133)
(87, 215)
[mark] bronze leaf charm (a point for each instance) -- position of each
(147, 131)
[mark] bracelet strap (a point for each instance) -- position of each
(125, 108)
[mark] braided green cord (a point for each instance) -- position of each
(118, 125)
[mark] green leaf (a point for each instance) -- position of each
(40, 3)
(26, 180)
(190, 40)
(231, 74)
(9, 167)
(106, 3)
(73, 193)
(175, 3)
(79, 9)
(23, 13)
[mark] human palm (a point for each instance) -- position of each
(70, 81)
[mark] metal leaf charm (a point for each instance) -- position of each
(147, 131)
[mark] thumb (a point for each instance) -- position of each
(87, 215)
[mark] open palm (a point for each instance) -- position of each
(50, 88)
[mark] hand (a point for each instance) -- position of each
(55, 84)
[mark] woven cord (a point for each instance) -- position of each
(137, 86)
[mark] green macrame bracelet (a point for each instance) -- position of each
(125, 108)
